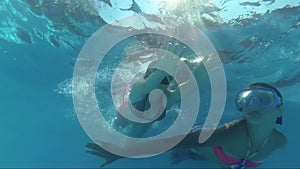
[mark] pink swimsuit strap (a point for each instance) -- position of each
(124, 104)
(226, 159)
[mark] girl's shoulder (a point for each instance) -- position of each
(278, 139)
(236, 124)
(231, 129)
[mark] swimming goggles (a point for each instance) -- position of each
(261, 97)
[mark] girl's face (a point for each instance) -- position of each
(257, 114)
(259, 104)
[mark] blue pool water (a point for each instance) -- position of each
(40, 42)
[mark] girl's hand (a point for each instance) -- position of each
(109, 157)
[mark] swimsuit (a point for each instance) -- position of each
(226, 159)
(237, 163)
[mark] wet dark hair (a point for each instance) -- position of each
(165, 81)
(266, 85)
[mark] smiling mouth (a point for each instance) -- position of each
(255, 112)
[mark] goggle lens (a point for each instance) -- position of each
(257, 97)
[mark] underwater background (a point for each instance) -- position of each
(40, 41)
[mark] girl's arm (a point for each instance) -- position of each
(140, 89)
(189, 141)
(153, 146)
